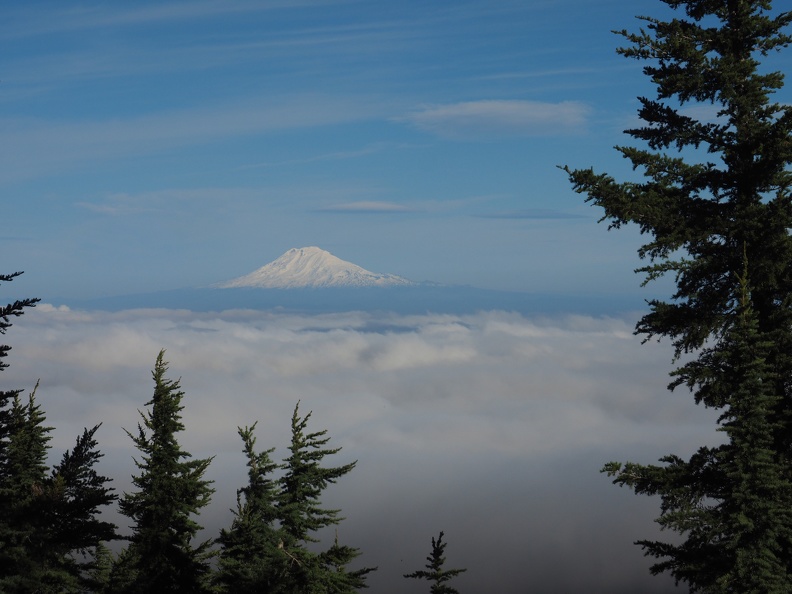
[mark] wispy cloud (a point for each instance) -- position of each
(367, 207)
(521, 74)
(498, 118)
(100, 15)
(35, 146)
(530, 213)
(370, 149)
(117, 205)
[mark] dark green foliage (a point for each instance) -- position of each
(716, 205)
(15, 309)
(434, 572)
(301, 516)
(161, 557)
(20, 470)
(249, 558)
(122, 573)
(304, 481)
(48, 527)
(99, 574)
(271, 545)
(23, 534)
(733, 501)
(74, 494)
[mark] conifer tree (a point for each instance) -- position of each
(19, 469)
(301, 516)
(23, 537)
(434, 572)
(10, 420)
(15, 309)
(75, 493)
(171, 491)
(249, 558)
(716, 204)
(12, 486)
(49, 527)
(98, 579)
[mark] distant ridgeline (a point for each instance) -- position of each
(312, 280)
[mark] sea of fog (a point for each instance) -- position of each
(490, 426)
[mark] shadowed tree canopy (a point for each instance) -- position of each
(272, 545)
(435, 572)
(171, 491)
(715, 205)
(301, 515)
(49, 525)
(250, 558)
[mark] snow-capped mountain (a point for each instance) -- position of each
(312, 267)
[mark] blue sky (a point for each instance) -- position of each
(162, 145)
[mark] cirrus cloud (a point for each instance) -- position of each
(500, 118)
(366, 207)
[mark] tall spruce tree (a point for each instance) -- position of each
(171, 491)
(24, 534)
(74, 496)
(435, 572)
(49, 526)
(249, 558)
(301, 515)
(716, 204)
(12, 486)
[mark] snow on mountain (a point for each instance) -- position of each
(313, 267)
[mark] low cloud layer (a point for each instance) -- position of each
(490, 427)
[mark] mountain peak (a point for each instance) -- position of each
(312, 267)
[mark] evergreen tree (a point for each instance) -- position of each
(171, 490)
(15, 309)
(301, 516)
(23, 535)
(122, 573)
(716, 203)
(49, 527)
(434, 570)
(249, 557)
(99, 575)
(74, 495)
(12, 418)
(15, 488)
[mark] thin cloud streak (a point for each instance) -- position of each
(173, 199)
(531, 214)
(34, 146)
(76, 19)
(370, 149)
(501, 118)
(367, 207)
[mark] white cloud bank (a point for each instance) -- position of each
(498, 118)
(491, 427)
